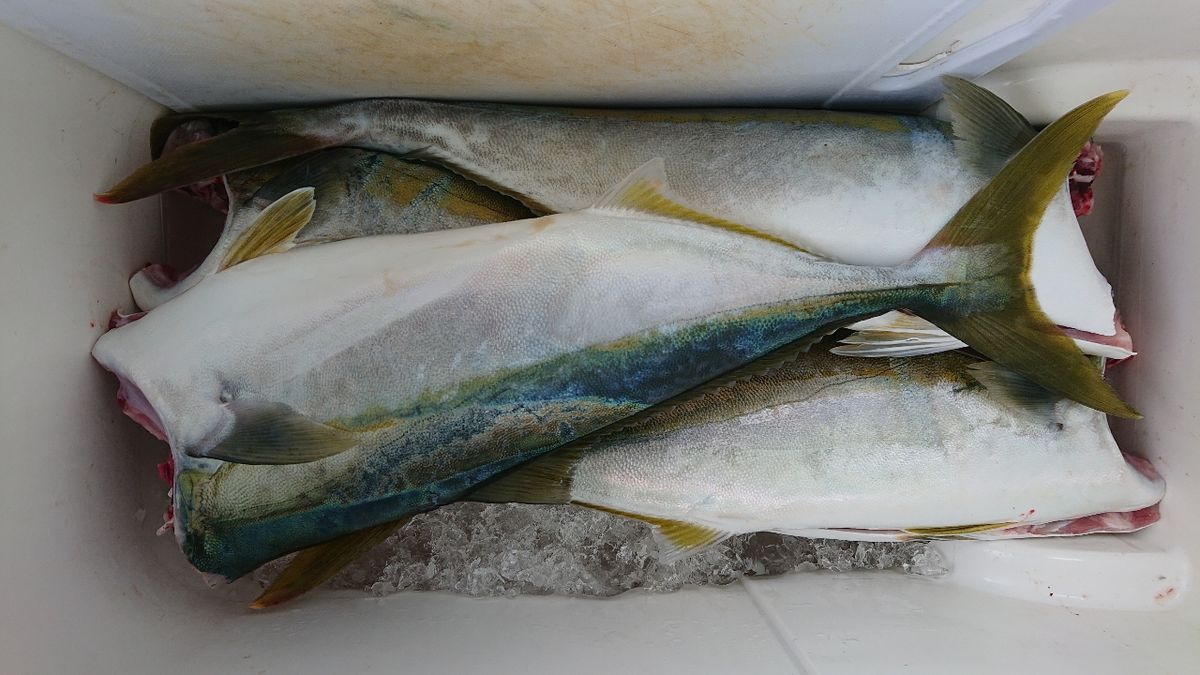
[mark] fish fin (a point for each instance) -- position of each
(330, 173)
(895, 334)
(315, 565)
(1015, 388)
(241, 186)
(713, 390)
(275, 229)
(428, 155)
(543, 480)
(873, 345)
(273, 433)
(677, 538)
(956, 531)
(645, 192)
(987, 129)
(257, 140)
(899, 334)
(995, 228)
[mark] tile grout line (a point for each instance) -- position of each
(800, 660)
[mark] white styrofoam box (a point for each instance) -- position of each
(88, 588)
(187, 54)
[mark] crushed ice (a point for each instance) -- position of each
(514, 549)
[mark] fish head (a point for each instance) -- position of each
(190, 417)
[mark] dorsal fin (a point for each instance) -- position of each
(645, 192)
(275, 228)
(987, 130)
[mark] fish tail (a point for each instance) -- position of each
(257, 139)
(985, 251)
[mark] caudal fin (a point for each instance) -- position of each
(992, 306)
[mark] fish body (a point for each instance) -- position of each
(824, 445)
(358, 193)
(448, 350)
(858, 188)
(426, 363)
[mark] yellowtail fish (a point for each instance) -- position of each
(831, 446)
(357, 192)
(392, 374)
(820, 445)
(858, 188)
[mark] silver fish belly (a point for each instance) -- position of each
(821, 442)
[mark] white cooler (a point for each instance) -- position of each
(88, 588)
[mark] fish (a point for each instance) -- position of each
(423, 364)
(858, 188)
(358, 193)
(810, 443)
(821, 445)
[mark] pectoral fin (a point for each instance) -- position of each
(544, 480)
(315, 565)
(259, 138)
(1014, 388)
(275, 228)
(265, 432)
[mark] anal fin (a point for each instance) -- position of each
(543, 480)
(956, 531)
(678, 538)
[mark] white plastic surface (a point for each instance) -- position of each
(88, 589)
(185, 54)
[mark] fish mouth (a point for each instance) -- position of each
(157, 283)
(137, 407)
(211, 191)
(160, 275)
